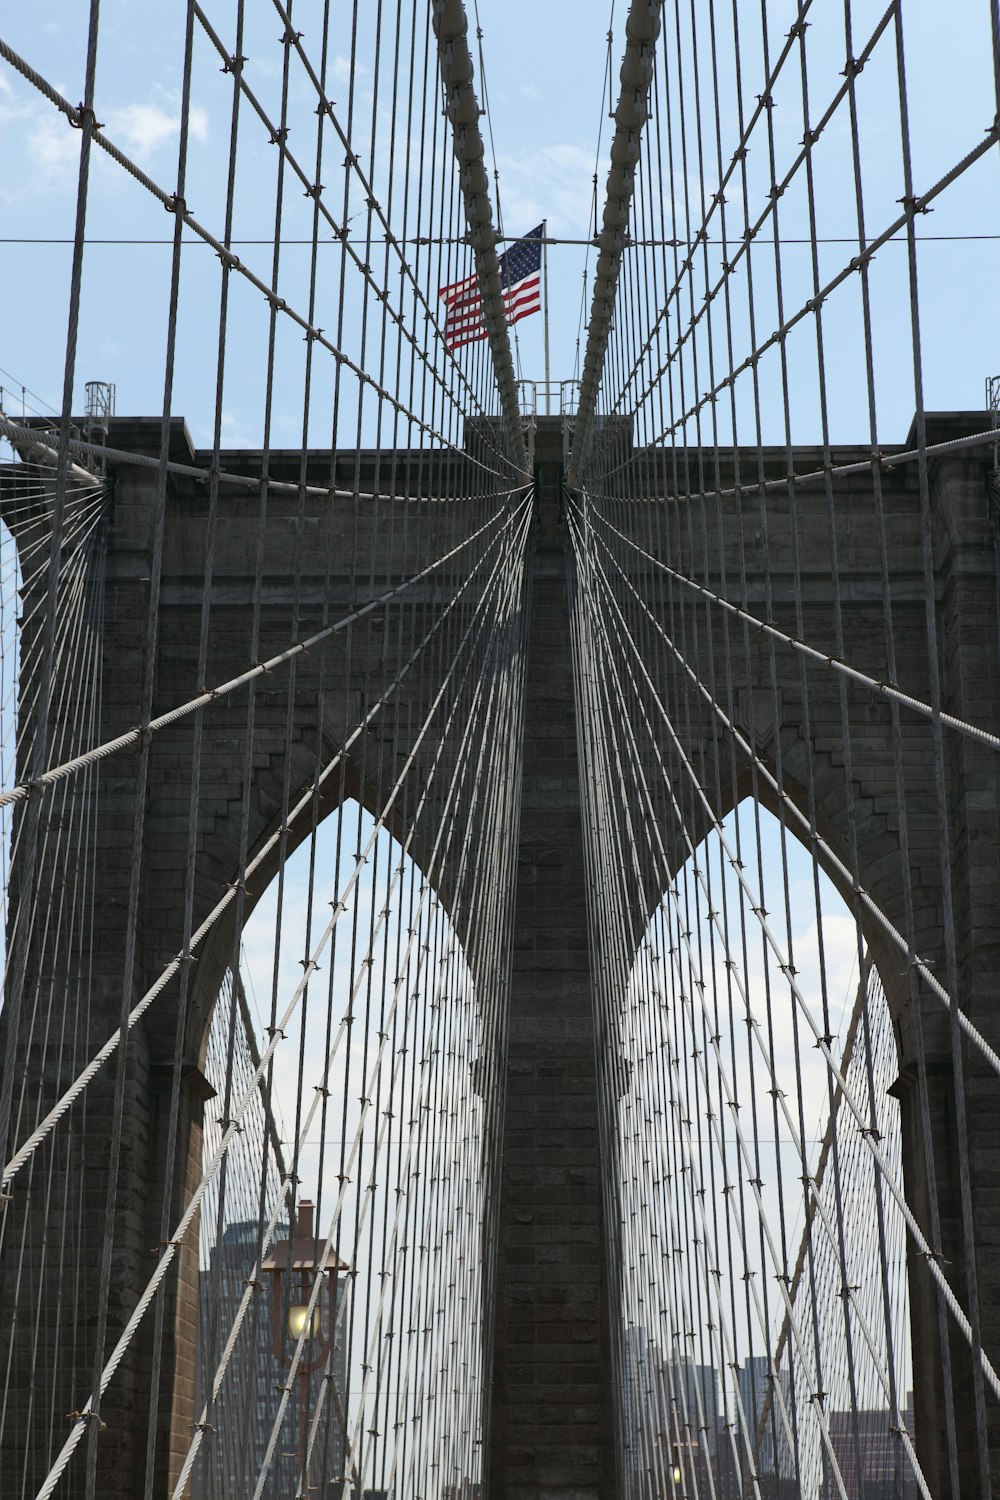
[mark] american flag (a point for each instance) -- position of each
(521, 279)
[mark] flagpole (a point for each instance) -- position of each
(545, 281)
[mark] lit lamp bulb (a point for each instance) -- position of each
(300, 1322)
(677, 1473)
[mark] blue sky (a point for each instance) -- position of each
(545, 66)
(546, 158)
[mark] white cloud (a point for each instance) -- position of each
(237, 432)
(53, 149)
(554, 182)
(141, 129)
(40, 145)
(340, 70)
(46, 149)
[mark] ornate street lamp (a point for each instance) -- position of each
(295, 1266)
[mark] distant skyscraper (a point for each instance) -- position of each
(640, 1401)
(691, 1404)
(869, 1457)
(694, 1399)
(768, 1433)
(671, 1411)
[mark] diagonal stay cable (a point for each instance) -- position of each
(881, 1165)
(444, 834)
(18, 433)
(918, 205)
(812, 1181)
(25, 789)
(174, 965)
(502, 699)
(314, 190)
(833, 861)
(171, 969)
(233, 262)
(608, 770)
(829, 1152)
(744, 241)
(822, 1045)
(884, 458)
(813, 653)
(81, 1421)
(353, 161)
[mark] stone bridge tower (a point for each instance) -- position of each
(551, 1406)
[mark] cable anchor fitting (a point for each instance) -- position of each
(87, 1416)
(85, 115)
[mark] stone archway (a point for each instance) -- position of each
(395, 965)
(861, 783)
(695, 1118)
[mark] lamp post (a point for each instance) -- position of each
(295, 1266)
(684, 1454)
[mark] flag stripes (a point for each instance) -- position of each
(521, 275)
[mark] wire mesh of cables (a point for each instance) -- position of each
(782, 729)
(51, 623)
(214, 661)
